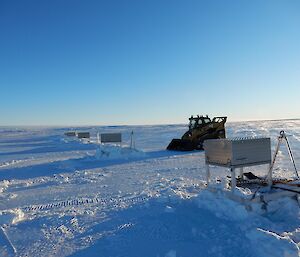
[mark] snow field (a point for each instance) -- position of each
(61, 197)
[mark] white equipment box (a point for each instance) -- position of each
(238, 152)
(70, 134)
(83, 135)
(111, 138)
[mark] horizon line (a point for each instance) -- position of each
(154, 124)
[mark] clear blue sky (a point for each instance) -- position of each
(148, 61)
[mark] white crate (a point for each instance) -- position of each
(83, 134)
(70, 134)
(238, 152)
(111, 138)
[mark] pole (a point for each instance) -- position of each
(132, 144)
(291, 155)
(207, 174)
(274, 157)
(98, 138)
(233, 180)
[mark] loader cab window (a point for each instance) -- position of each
(193, 124)
(207, 120)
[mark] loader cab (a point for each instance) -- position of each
(198, 122)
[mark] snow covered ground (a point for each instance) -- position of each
(63, 197)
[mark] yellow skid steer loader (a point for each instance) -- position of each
(200, 129)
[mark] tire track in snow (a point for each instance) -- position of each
(106, 202)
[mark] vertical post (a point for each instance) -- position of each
(207, 174)
(241, 173)
(133, 140)
(291, 155)
(233, 179)
(269, 177)
(98, 138)
(274, 157)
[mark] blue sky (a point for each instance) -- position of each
(148, 61)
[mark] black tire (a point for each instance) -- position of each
(199, 145)
(221, 133)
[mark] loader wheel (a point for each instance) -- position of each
(221, 133)
(199, 145)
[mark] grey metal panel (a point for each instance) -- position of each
(238, 152)
(70, 133)
(251, 151)
(218, 151)
(111, 138)
(83, 134)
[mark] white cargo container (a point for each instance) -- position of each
(70, 133)
(111, 138)
(83, 135)
(237, 153)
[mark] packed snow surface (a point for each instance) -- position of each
(60, 196)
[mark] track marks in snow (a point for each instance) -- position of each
(105, 203)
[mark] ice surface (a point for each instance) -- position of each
(63, 197)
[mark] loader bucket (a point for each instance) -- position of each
(181, 145)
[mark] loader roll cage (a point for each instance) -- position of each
(200, 121)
